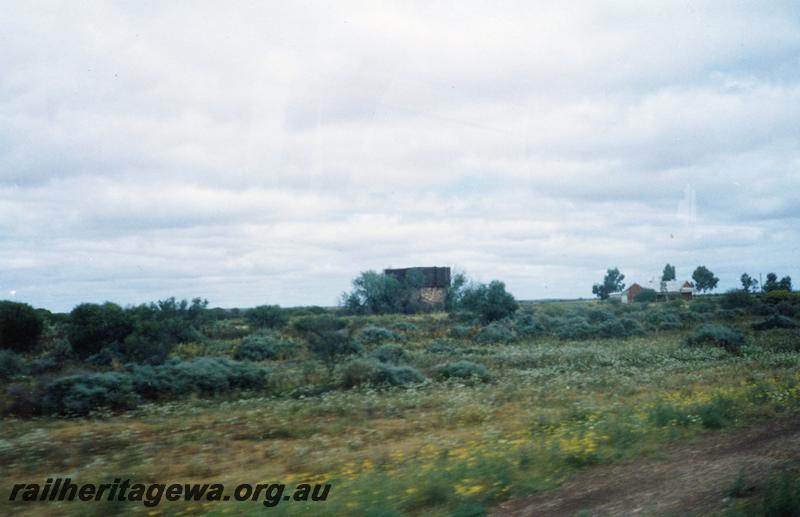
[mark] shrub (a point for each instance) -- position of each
(399, 376)
(716, 414)
(488, 302)
(372, 334)
(11, 365)
(781, 495)
(703, 306)
(203, 376)
(391, 353)
(78, 395)
(780, 295)
(574, 327)
(20, 326)
(717, 335)
(663, 320)
(93, 327)
(328, 339)
(495, 332)
(43, 365)
(646, 296)
(736, 299)
(23, 400)
(776, 322)
(259, 347)
(460, 331)
(440, 346)
(462, 370)
(267, 316)
(760, 308)
(526, 325)
(359, 372)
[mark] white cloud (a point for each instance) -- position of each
(253, 153)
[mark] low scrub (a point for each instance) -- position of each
(466, 370)
(372, 335)
(260, 347)
(717, 335)
(391, 353)
(777, 322)
(361, 372)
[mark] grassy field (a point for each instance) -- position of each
(441, 447)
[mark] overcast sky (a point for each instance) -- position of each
(267, 152)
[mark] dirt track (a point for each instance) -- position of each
(688, 478)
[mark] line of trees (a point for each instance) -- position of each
(703, 279)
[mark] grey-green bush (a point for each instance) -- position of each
(391, 353)
(776, 322)
(462, 370)
(495, 332)
(372, 335)
(78, 395)
(11, 365)
(260, 347)
(717, 335)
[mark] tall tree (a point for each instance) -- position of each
(749, 284)
(771, 283)
(668, 274)
(704, 279)
(612, 283)
(785, 283)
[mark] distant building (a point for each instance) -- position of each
(669, 289)
(628, 294)
(431, 281)
(672, 288)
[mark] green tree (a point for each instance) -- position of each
(668, 274)
(612, 283)
(379, 293)
(771, 284)
(20, 326)
(267, 316)
(704, 279)
(749, 284)
(488, 302)
(93, 327)
(328, 338)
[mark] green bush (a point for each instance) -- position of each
(43, 365)
(495, 332)
(717, 335)
(780, 295)
(460, 331)
(782, 495)
(703, 306)
(203, 376)
(776, 322)
(78, 395)
(440, 346)
(93, 327)
(736, 299)
(360, 372)
(11, 365)
(391, 353)
(462, 370)
(267, 316)
(526, 325)
(399, 376)
(372, 335)
(488, 302)
(259, 347)
(20, 326)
